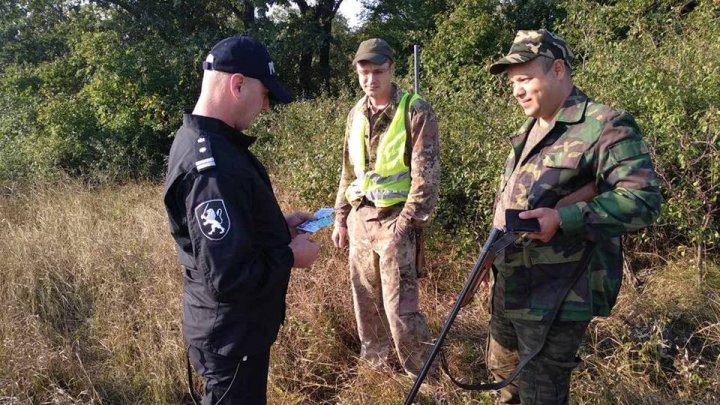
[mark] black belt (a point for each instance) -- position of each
(365, 202)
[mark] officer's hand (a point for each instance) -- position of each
(549, 222)
(296, 218)
(305, 250)
(340, 236)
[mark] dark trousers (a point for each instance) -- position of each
(231, 380)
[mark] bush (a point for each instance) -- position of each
(661, 63)
(301, 144)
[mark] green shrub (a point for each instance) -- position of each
(301, 144)
(662, 64)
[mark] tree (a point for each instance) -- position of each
(176, 19)
(31, 30)
(402, 24)
(320, 17)
(300, 34)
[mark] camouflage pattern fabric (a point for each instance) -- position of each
(546, 378)
(385, 289)
(589, 142)
(383, 241)
(422, 156)
(529, 45)
(507, 198)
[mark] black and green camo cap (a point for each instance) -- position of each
(528, 45)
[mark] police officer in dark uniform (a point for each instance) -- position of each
(235, 245)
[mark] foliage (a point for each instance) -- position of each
(660, 62)
(95, 90)
(310, 56)
(302, 144)
(103, 106)
(402, 24)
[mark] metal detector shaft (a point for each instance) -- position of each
(453, 314)
(416, 65)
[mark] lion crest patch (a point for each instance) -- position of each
(213, 219)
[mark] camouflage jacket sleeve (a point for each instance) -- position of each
(342, 206)
(424, 166)
(628, 194)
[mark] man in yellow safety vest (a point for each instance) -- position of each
(387, 193)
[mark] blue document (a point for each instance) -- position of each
(324, 218)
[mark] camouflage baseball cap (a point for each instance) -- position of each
(528, 45)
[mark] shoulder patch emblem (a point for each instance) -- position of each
(213, 219)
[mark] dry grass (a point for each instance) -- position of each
(91, 314)
(92, 296)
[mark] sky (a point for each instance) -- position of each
(350, 9)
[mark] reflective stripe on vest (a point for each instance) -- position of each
(389, 183)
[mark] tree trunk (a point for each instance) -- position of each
(305, 81)
(324, 60)
(319, 21)
(248, 14)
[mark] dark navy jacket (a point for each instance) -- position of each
(232, 239)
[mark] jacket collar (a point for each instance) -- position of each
(573, 109)
(215, 126)
(397, 94)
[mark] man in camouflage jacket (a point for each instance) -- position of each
(568, 141)
(384, 239)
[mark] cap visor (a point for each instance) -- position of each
(375, 58)
(512, 59)
(277, 92)
(498, 67)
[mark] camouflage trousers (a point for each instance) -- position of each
(385, 289)
(546, 378)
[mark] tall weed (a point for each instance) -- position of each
(91, 292)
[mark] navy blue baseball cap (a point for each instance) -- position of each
(242, 54)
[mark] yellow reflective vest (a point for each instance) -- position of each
(389, 183)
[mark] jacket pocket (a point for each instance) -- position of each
(551, 273)
(563, 160)
(514, 278)
(534, 276)
(560, 173)
(199, 308)
(195, 293)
